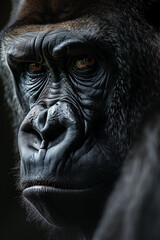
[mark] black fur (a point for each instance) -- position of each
(133, 210)
(129, 42)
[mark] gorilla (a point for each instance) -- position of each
(82, 80)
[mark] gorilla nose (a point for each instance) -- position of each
(60, 122)
(59, 126)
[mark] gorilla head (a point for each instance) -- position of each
(82, 74)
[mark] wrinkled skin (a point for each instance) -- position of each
(79, 121)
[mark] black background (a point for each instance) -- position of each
(13, 224)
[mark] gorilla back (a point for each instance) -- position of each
(80, 77)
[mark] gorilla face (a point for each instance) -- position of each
(79, 85)
(66, 160)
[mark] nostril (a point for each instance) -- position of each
(36, 140)
(46, 139)
(32, 136)
(50, 135)
(54, 135)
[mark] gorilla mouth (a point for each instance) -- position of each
(65, 207)
(61, 185)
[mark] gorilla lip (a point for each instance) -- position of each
(52, 203)
(40, 185)
(52, 188)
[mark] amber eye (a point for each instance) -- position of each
(35, 68)
(85, 62)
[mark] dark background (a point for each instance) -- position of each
(13, 224)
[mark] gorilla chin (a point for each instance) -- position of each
(66, 207)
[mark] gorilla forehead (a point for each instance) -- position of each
(45, 11)
(29, 44)
(86, 26)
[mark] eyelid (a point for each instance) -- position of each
(82, 64)
(36, 65)
(43, 70)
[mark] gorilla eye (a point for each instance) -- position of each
(85, 62)
(35, 68)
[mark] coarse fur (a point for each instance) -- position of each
(121, 114)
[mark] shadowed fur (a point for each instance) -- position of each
(82, 80)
